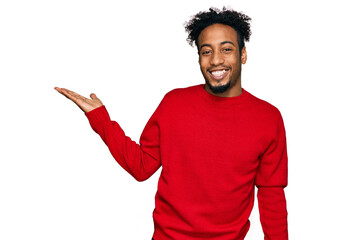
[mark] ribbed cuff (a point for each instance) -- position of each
(98, 115)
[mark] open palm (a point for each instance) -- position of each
(83, 103)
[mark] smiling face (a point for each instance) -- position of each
(220, 60)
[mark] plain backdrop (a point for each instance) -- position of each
(57, 177)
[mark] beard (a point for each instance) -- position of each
(219, 89)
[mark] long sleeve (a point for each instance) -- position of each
(271, 179)
(140, 160)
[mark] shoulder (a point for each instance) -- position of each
(174, 102)
(267, 116)
(264, 108)
(178, 95)
(175, 98)
(182, 91)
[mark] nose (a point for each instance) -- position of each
(216, 58)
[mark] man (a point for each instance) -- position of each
(215, 142)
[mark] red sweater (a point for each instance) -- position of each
(213, 152)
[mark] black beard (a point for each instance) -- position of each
(219, 89)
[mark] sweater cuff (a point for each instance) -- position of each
(98, 115)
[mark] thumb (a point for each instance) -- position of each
(93, 96)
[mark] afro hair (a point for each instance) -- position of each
(237, 20)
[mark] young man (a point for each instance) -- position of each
(215, 142)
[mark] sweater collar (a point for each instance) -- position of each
(221, 100)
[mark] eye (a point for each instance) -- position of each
(227, 50)
(206, 52)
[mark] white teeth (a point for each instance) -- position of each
(218, 73)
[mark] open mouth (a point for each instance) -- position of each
(219, 74)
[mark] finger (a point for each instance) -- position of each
(69, 92)
(66, 94)
(59, 90)
(93, 96)
(72, 95)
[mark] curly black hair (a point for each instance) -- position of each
(237, 20)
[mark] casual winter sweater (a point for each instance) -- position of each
(213, 152)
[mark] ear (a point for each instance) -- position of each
(244, 55)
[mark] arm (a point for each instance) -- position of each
(271, 179)
(139, 160)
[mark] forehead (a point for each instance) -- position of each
(216, 34)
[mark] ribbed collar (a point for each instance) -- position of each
(222, 101)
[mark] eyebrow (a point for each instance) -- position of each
(222, 43)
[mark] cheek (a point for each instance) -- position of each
(235, 62)
(203, 65)
(202, 61)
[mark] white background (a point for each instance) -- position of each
(58, 179)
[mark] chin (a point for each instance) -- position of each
(219, 88)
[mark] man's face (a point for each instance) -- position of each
(220, 60)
